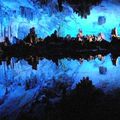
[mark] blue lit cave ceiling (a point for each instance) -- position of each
(66, 16)
(79, 6)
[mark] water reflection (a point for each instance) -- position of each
(18, 70)
(34, 60)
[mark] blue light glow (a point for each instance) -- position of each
(47, 19)
(15, 22)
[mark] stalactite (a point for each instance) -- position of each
(79, 6)
(83, 7)
(60, 5)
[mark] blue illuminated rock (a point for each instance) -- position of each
(102, 70)
(101, 20)
(47, 19)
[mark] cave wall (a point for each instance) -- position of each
(16, 15)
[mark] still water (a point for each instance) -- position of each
(18, 70)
